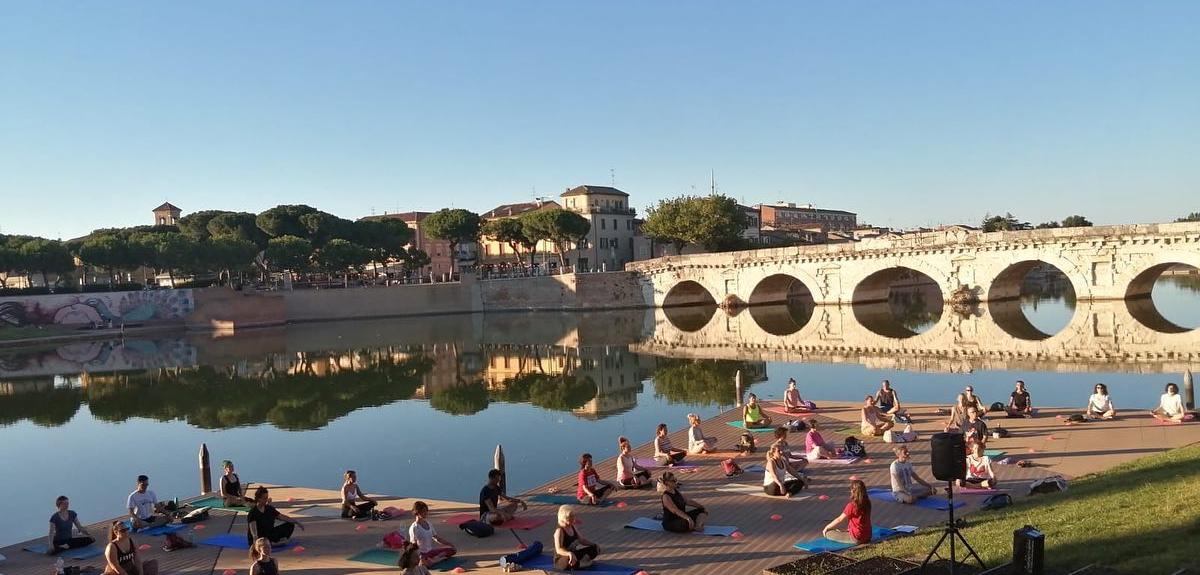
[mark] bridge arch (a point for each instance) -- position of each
(1007, 283)
(687, 293)
(877, 286)
(780, 288)
(1137, 293)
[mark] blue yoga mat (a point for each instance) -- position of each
(937, 503)
(546, 563)
(237, 541)
(93, 550)
(742, 425)
(822, 544)
(160, 530)
(566, 500)
(648, 524)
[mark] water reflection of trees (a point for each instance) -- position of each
(702, 382)
(290, 392)
(562, 393)
(1189, 282)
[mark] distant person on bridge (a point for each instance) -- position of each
(907, 485)
(697, 441)
(1100, 405)
(752, 414)
(872, 420)
(665, 453)
(1019, 402)
(1170, 406)
(629, 474)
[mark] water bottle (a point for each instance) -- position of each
(58, 566)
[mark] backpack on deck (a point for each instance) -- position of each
(731, 468)
(997, 406)
(394, 539)
(855, 448)
(747, 443)
(797, 425)
(998, 501)
(478, 529)
(1052, 484)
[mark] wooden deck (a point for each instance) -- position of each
(328, 541)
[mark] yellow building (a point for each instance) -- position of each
(497, 253)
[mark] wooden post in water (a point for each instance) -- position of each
(205, 471)
(737, 386)
(1189, 391)
(498, 463)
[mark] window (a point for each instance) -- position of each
(612, 243)
(602, 224)
(614, 223)
(603, 243)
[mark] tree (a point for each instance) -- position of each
(455, 226)
(385, 239)
(415, 259)
(562, 227)
(108, 251)
(666, 223)
(1076, 222)
(289, 253)
(342, 255)
(509, 231)
(195, 225)
(284, 220)
(1047, 225)
(1005, 223)
(227, 253)
(1192, 217)
(240, 225)
(321, 227)
(47, 256)
(714, 222)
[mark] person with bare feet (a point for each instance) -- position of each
(1170, 406)
(979, 469)
(629, 474)
(1019, 402)
(697, 441)
(665, 453)
(814, 444)
(677, 518)
(858, 512)
(490, 509)
(873, 421)
(1100, 405)
(752, 414)
(907, 485)
(571, 550)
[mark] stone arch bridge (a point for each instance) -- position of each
(1102, 263)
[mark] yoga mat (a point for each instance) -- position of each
(976, 490)
(546, 563)
(237, 541)
(648, 524)
(834, 461)
(742, 425)
(884, 494)
(93, 550)
(524, 523)
(780, 410)
(566, 500)
(154, 531)
(390, 558)
(822, 545)
(217, 503)
(650, 463)
(757, 491)
(994, 453)
(754, 468)
(318, 511)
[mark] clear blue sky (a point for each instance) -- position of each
(909, 113)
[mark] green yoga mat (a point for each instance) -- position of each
(994, 453)
(217, 503)
(390, 557)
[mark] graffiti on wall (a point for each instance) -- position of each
(98, 356)
(96, 308)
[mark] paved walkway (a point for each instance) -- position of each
(328, 541)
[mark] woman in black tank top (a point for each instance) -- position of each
(260, 553)
(232, 491)
(121, 555)
(571, 550)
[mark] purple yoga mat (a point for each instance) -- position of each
(650, 463)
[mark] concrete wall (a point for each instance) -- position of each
(122, 307)
(354, 303)
(611, 290)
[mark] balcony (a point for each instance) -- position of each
(610, 210)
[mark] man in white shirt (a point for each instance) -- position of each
(144, 509)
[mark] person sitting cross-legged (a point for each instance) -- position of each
(629, 474)
(1019, 402)
(62, 529)
(1170, 406)
(571, 549)
(590, 489)
(490, 496)
(752, 414)
(145, 510)
(263, 520)
(907, 485)
(434, 549)
(979, 469)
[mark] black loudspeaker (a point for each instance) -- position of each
(1029, 551)
(949, 452)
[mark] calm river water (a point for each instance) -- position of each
(417, 406)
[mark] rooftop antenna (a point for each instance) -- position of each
(612, 177)
(712, 182)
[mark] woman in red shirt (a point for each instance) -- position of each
(591, 490)
(858, 511)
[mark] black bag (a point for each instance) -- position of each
(477, 528)
(997, 406)
(1076, 418)
(747, 443)
(1052, 484)
(855, 448)
(998, 501)
(195, 515)
(797, 425)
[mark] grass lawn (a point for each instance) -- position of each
(9, 333)
(1140, 517)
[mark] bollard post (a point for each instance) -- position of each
(498, 463)
(1189, 391)
(737, 387)
(205, 472)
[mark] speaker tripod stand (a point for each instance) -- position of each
(951, 533)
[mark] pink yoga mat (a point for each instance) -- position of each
(975, 490)
(781, 411)
(524, 523)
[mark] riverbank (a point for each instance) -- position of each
(764, 540)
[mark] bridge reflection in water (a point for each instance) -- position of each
(1114, 336)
